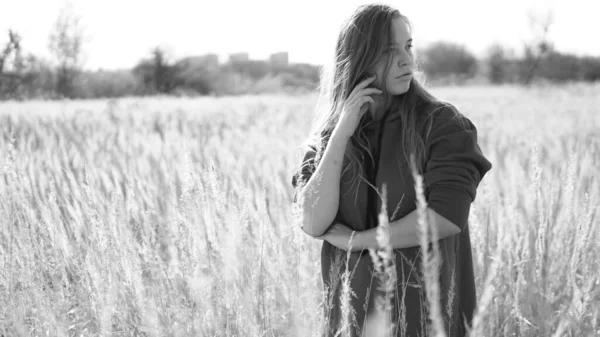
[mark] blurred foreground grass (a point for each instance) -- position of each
(169, 216)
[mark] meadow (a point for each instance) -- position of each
(173, 216)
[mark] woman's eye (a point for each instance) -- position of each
(409, 47)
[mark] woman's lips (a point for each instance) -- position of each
(405, 76)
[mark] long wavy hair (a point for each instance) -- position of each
(360, 46)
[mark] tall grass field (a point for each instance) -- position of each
(173, 216)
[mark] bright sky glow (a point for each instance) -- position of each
(120, 32)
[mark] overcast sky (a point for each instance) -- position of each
(120, 32)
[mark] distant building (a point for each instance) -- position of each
(238, 57)
(279, 59)
(209, 61)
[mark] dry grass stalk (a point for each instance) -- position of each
(430, 257)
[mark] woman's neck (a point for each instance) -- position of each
(379, 108)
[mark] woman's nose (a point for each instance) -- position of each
(404, 59)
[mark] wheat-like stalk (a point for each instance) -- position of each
(430, 259)
(385, 270)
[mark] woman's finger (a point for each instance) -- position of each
(365, 99)
(366, 103)
(361, 85)
(361, 99)
(368, 91)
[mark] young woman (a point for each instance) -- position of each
(378, 115)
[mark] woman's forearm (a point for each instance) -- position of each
(319, 198)
(404, 232)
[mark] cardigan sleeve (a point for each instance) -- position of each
(305, 171)
(454, 167)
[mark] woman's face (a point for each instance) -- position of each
(400, 55)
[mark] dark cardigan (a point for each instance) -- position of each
(454, 167)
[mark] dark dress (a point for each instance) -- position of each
(454, 167)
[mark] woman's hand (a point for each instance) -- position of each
(342, 237)
(355, 106)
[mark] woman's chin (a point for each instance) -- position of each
(399, 89)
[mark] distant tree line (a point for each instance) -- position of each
(27, 76)
(445, 62)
